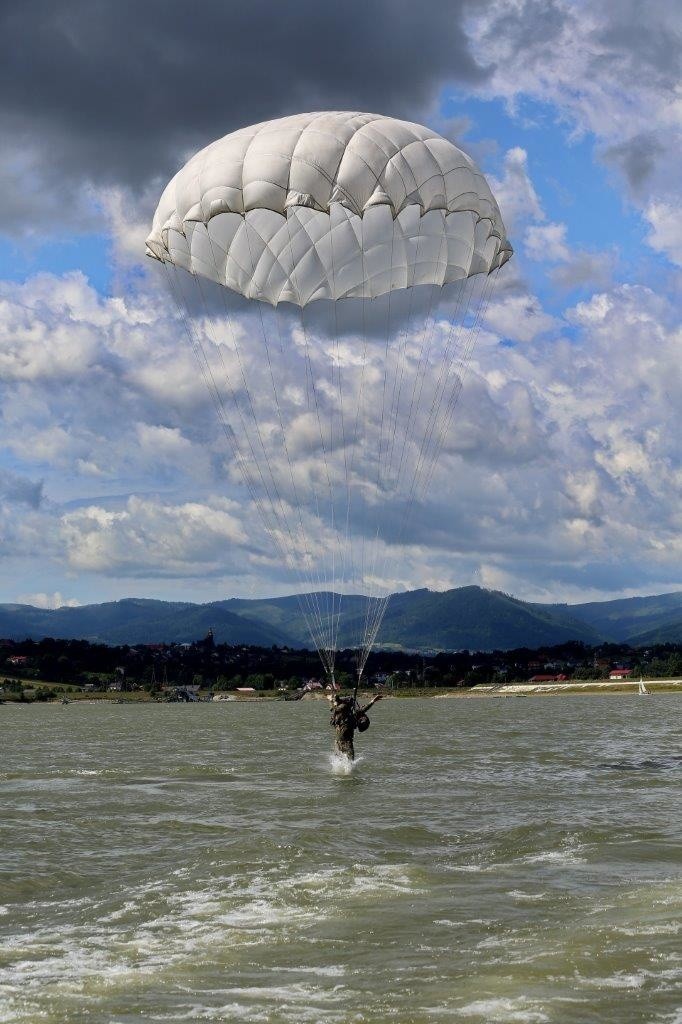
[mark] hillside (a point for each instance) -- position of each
(628, 619)
(136, 621)
(467, 617)
(477, 619)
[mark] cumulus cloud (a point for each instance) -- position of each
(560, 461)
(611, 69)
(114, 96)
(519, 317)
(558, 468)
(573, 268)
(666, 230)
(95, 386)
(17, 489)
(149, 537)
(546, 242)
(515, 192)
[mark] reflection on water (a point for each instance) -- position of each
(487, 861)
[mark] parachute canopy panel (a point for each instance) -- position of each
(329, 205)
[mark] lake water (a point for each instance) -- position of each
(487, 860)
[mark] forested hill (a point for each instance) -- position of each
(467, 617)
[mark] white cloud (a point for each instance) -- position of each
(666, 230)
(514, 191)
(559, 471)
(150, 537)
(51, 601)
(546, 242)
(609, 69)
(519, 317)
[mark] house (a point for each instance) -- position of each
(620, 673)
(561, 678)
(18, 659)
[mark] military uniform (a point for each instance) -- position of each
(343, 722)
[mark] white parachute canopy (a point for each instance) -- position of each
(335, 416)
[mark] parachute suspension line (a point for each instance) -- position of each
(425, 351)
(274, 530)
(337, 358)
(373, 600)
(419, 382)
(215, 395)
(400, 361)
(305, 577)
(312, 595)
(446, 413)
(213, 390)
(457, 389)
(360, 414)
(446, 367)
(409, 503)
(323, 445)
(386, 351)
(421, 373)
(432, 442)
(316, 585)
(456, 332)
(330, 653)
(375, 610)
(318, 636)
(489, 288)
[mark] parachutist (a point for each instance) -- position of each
(347, 716)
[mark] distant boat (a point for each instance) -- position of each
(642, 688)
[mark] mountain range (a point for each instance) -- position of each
(466, 617)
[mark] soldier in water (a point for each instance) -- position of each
(347, 716)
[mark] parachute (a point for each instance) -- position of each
(331, 271)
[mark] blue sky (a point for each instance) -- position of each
(565, 467)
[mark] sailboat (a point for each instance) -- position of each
(642, 688)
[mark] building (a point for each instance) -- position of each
(620, 673)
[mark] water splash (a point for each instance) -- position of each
(340, 764)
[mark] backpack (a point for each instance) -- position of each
(361, 722)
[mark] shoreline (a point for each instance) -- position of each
(478, 692)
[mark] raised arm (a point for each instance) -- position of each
(373, 701)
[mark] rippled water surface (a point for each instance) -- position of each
(487, 860)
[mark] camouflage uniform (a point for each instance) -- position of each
(343, 722)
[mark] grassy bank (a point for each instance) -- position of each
(571, 687)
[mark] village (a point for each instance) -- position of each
(54, 669)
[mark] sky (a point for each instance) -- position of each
(562, 479)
